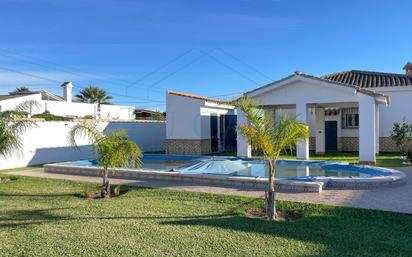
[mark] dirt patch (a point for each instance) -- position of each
(282, 215)
(7, 179)
(116, 191)
(255, 213)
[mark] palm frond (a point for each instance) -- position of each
(115, 150)
(85, 130)
(13, 124)
(9, 141)
(262, 132)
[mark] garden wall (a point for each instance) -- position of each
(48, 142)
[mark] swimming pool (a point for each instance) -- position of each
(289, 172)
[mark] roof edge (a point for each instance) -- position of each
(199, 97)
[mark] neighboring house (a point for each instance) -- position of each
(346, 111)
(198, 125)
(144, 114)
(64, 105)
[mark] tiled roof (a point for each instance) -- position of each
(173, 92)
(370, 79)
(5, 97)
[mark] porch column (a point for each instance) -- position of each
(320, 130)
(377, 127)
(302, 145)
(367, 130)
(270, 113)
(243, 148)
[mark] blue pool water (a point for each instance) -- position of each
(248, 167)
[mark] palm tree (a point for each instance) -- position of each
(22, 89)
(13, 124)
(264, 135)
(112, 150)
(92, 94)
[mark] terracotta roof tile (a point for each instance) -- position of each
(369, 79)
(173, 92)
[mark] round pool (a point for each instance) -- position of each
(293, 175)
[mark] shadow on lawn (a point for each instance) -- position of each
(341, 234)
(340, 238)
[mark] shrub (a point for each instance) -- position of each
(15, 113)
(51, 117)
(88, 117)
(402, 135)
(409, 156)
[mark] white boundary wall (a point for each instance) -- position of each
(71, 109)
(48, 143)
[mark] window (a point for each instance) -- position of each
(350, 118)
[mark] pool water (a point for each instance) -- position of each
(232, 166)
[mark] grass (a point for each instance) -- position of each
(382, 160)
(22, 168)
(43, 217)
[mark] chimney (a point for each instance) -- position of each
(408, 68)
(67, 91)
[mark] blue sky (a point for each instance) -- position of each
(137, 49)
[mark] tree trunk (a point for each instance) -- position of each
(270, 198)
(105, 191)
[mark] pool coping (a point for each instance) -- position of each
(285, 185)
(315, 184)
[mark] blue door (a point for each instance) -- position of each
(213, 134)
(331, 135)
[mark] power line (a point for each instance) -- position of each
(230, 68)
(244, 63)
(56, 81)
(60, 67)
(159, 68)
(152, 86)
(180, 68)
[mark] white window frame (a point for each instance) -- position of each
(350, 118)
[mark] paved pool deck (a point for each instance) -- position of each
(396, 198)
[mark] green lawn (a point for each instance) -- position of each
(42, 217)
(22, 168)
(382, 160)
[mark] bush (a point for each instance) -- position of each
(402, 135)
(11, 113)
(88, 117)
(409, 156)
(51, 117)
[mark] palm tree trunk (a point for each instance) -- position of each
(270, 198)
(105, 191)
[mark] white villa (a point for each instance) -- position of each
(65, 106)
(346, 111)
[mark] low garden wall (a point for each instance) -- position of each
(48, 141)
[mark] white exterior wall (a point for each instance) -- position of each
(48, 143)
(10, 104)
(401, 106)
(71, 109)
(189, 118)
(244, 149)
(183, 117)
(367, 131)
(306, 92)
(319, 130)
